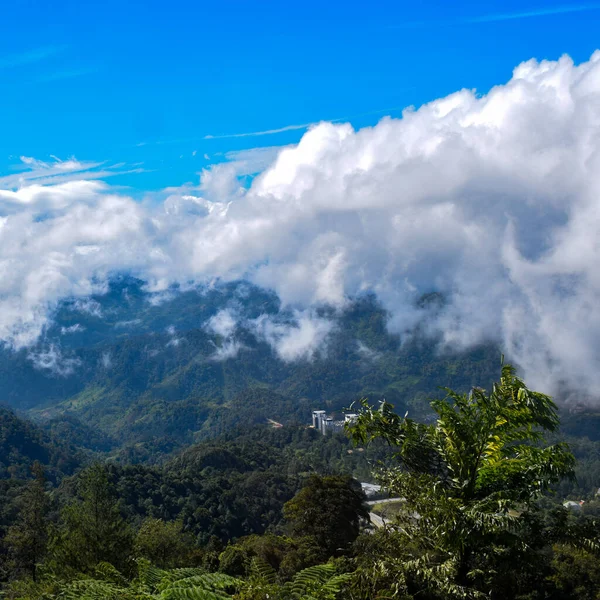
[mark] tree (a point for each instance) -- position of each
(329, 509)
(27, 539)
(576, 573)
(235, 561)
(162, 543)
(468, 480)
(93, 530)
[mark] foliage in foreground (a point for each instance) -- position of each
(320, 582)
(469, 483)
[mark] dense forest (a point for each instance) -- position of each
(261, 512)
(148, 375)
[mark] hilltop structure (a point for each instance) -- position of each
(325, 423)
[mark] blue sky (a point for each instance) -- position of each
(144, 83)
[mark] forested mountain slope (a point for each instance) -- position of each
(22, 443)
(158, 369)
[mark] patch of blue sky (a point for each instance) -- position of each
(174, 86)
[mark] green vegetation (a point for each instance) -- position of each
(147, 382)
(277, 513)
(389, 510)
(22, 444)
(91, 529)
(27, 539)
(470, 482)
(321, 582)
(329, 510)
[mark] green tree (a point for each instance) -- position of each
(468, 480)
(93, 530)
(576, 574)
(162, 543)
(27, 539)
(328, 509)
(235, 561)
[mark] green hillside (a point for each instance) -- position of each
(143, 371)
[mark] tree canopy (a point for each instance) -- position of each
(329, 509)
(468, 479)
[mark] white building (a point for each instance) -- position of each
(323, 423)
(317, 417)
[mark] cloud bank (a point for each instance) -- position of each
(492, 200)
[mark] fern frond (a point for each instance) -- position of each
(91, 589)
(206, 586)
(107, 572)
(150, 575)
(262, 570)
(193, 594)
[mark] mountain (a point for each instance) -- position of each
(163, 370)
(22, 443)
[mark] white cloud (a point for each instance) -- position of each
(253, 160)
(158, 298)
(540, 12)
(72, 329)
(106, 360)
(548, 11)
(258, 133)
(491, 200)
(174, 341)
(32, 172)
(223, 323)
(229, 349)
(301, 126)
(51, 359)
(295, 341)
(127, 324)
(366, 352)
(88, 306)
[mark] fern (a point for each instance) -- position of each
(91, 589)
(107, 572)
(316, 574)
(334, 585)
(315, 583)
(263, 571)
(173, 576)
(150, 575)
(193, 594)
(206, 586)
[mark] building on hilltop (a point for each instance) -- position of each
(317, 415)
(324, 423)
